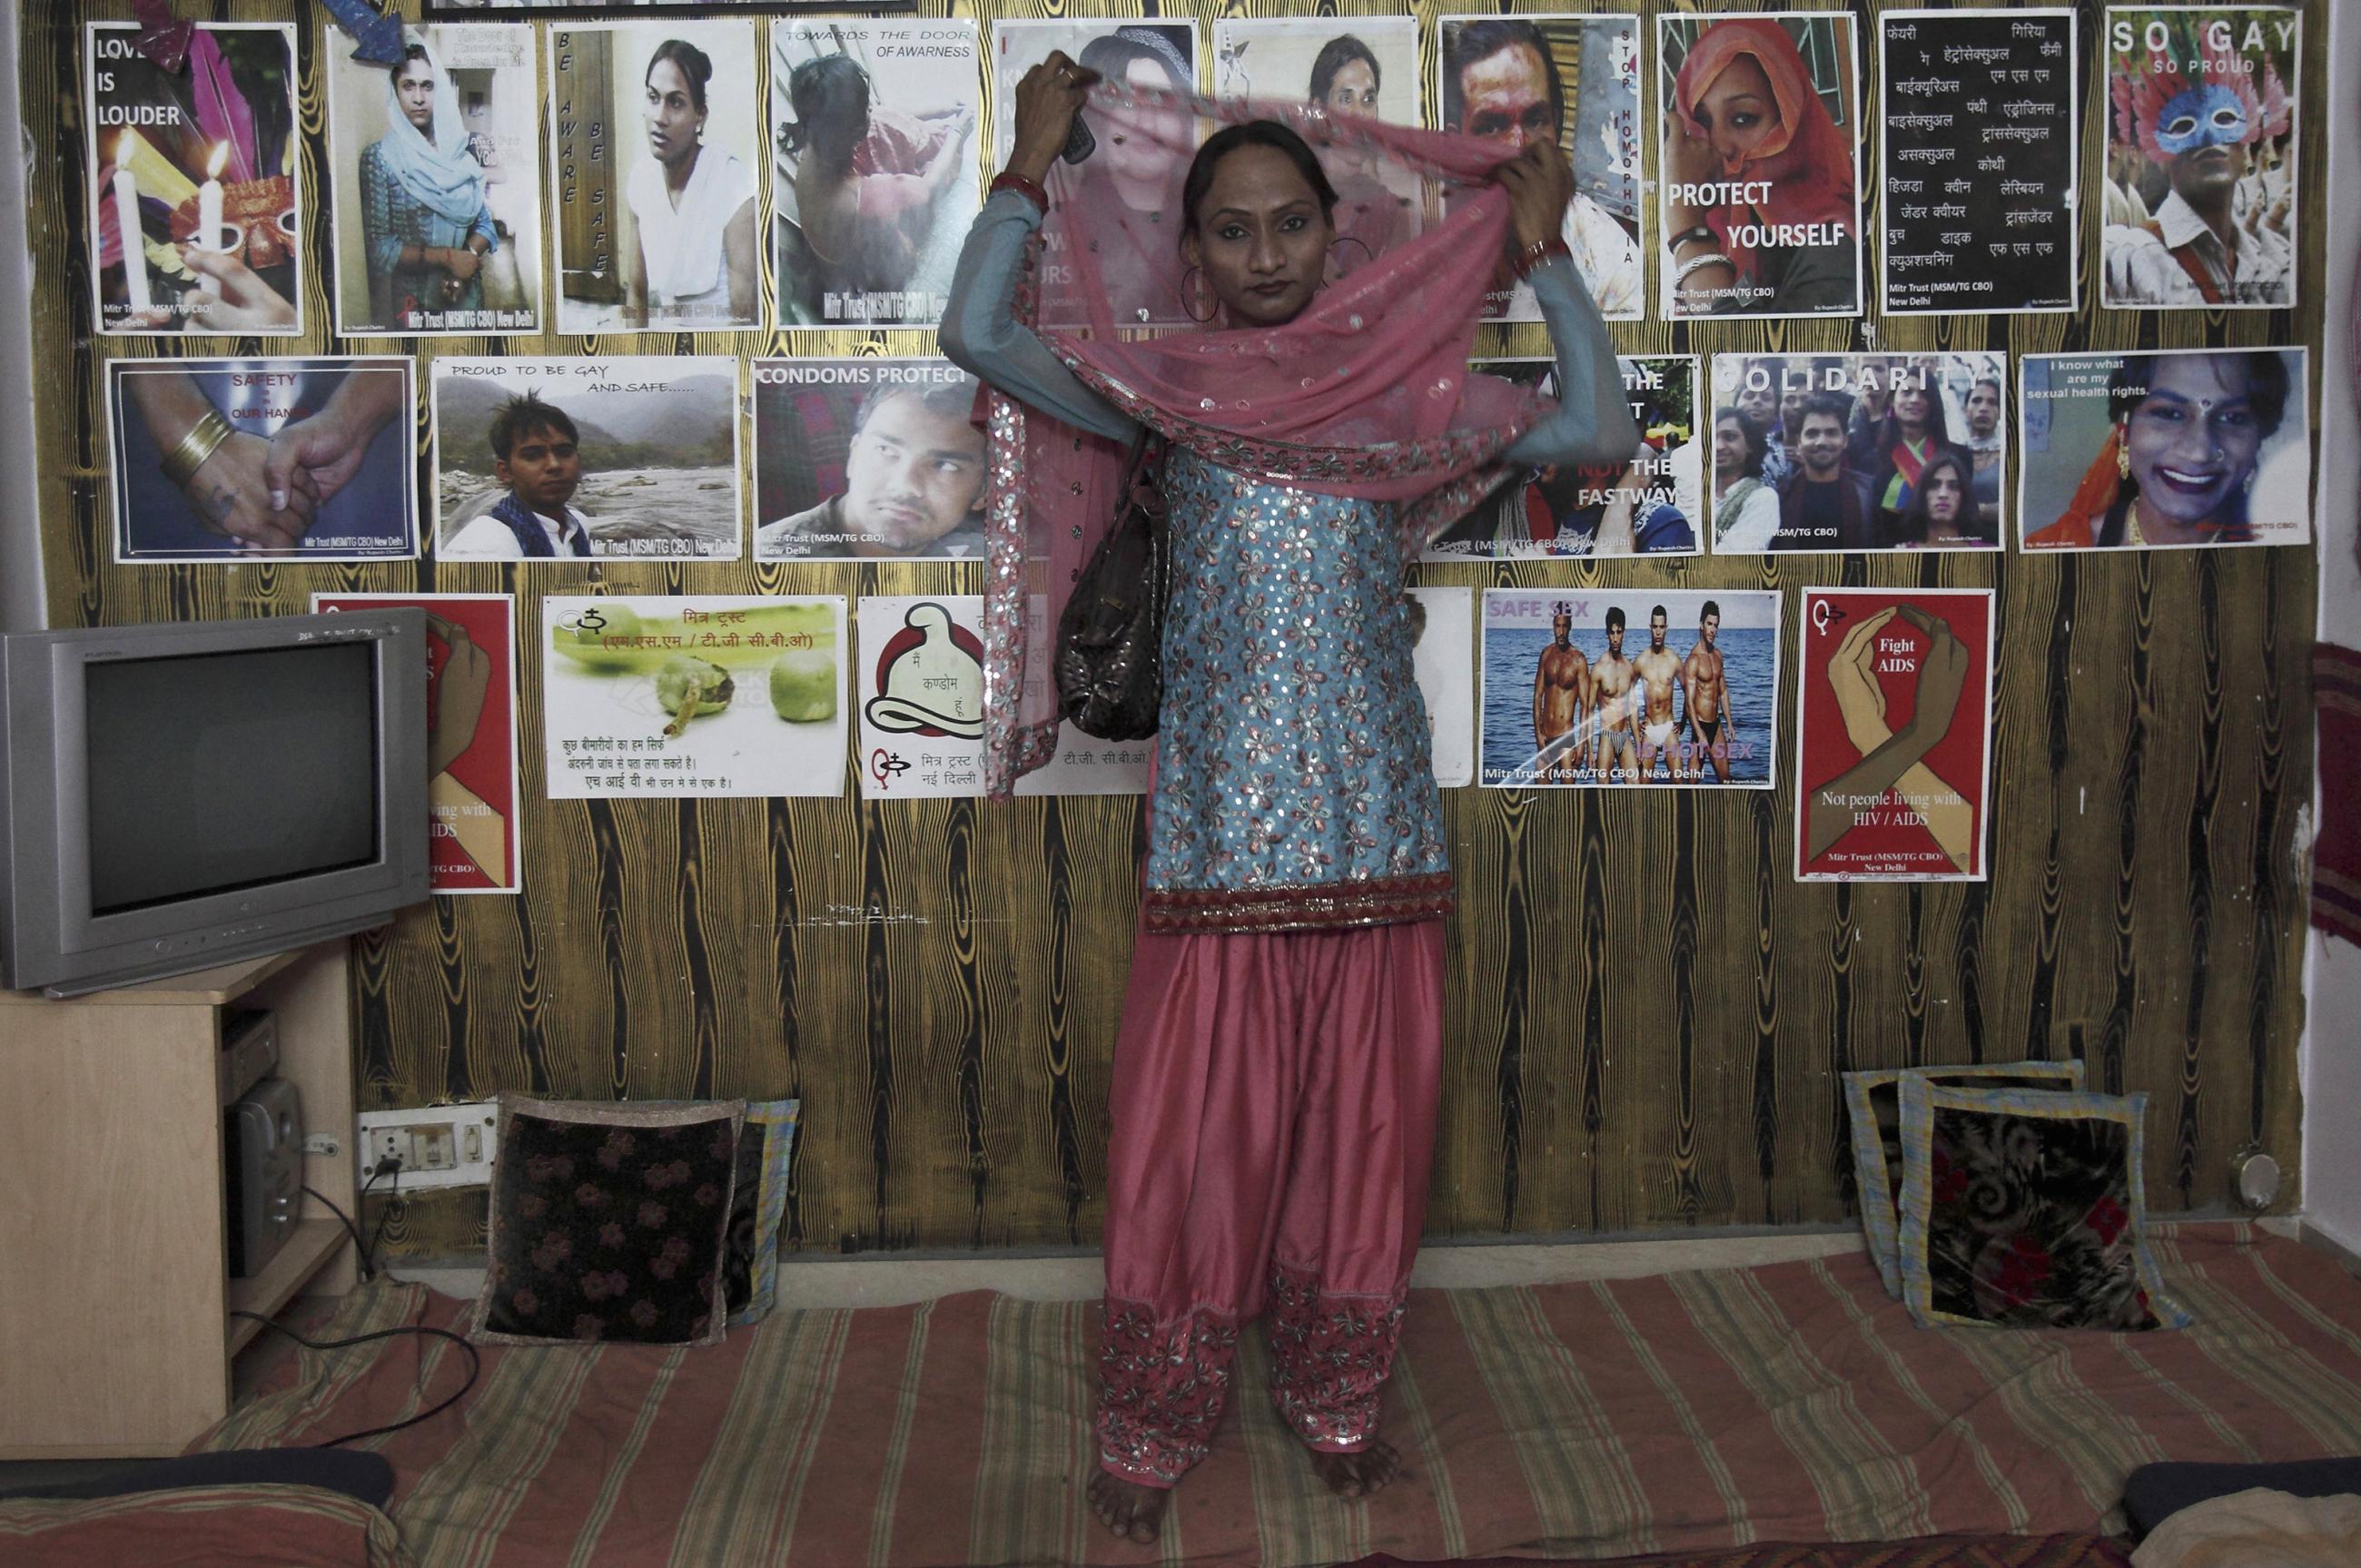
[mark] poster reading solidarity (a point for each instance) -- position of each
(471, 753)
(1894, 734)
(866, 458)
(572, 458)
(1650, 505)
(1588, 687)
(436, 166)
(2159, 451)
(705, 695)
(1980, 155)
(195, 182)
(2199, 194)
(1574, 81)
(1761, 204)
(874, 181)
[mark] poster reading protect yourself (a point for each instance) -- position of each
(707, 695)
(1980, 159)
(471, 755)
(1894, 734)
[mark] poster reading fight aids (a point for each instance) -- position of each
(1761, 196)
(195, 182)
(471, 749)
(2199, 198)
(1894, 734)
(705, 695)
(1593, 686)
(1978, 160)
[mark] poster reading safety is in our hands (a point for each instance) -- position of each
(706, 695)
(1893, 735)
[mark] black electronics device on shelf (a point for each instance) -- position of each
(262, 1161)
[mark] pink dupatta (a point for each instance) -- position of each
(1366, 394)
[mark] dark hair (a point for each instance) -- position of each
(953, 399)
(1614, 617)
(1334, 56)
(523, 414)
(1757, 446)
(1912, 527)
(1828, 406)
(831, 96)
(415, 51)
(1913, 378)
(1472, 41)
(2267, 385)
(1658, 611)
(1113, 55)
(1252, 133)
(1999, 390)
(696, 67)
(1711, 611)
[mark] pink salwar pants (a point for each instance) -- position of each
(1273, 1106)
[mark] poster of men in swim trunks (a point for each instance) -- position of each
(709, 696)
(1859, 452)
(2191, 448)
(1761, 115)
(866, 458)
(1601, 686)
(1979, 157)
(1651, 505)
(874, 163)
(2199, 197)
(1893, 734)
(1575, 80)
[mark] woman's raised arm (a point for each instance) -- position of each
(1593, 423)
(981, 335)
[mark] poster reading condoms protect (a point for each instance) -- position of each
(1762, 204)
(866, 458)
(712, 696)
(1894, 734)
(473, 843)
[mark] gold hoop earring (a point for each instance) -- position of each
(2123, 452)
(1192, 288)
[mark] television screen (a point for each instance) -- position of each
(216, 772)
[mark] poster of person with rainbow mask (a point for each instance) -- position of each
(2198, 201)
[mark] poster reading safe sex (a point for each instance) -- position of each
(1893, 735)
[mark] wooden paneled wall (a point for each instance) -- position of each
(1647, 1015)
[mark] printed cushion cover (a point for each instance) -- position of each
(758, 1203)
(1873, 1107)
(609, 1221)
(2022, 1208)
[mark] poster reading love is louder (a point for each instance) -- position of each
(1893, 735)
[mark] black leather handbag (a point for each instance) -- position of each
(1110, 662)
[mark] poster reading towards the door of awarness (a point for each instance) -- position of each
(1894, 734)
(2200, 189)
(1761, 196)
(436, 173)
(473, 844)
(195, 182)
(707, 695)
(655, 147)
(1978, 161)
(1592, 687)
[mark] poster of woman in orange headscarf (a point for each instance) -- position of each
(1761, 212)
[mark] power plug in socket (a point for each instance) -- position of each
(387, 1147)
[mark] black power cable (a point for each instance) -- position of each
(475, 1366)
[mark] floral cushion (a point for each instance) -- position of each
(608, 1221)
(2022, 1208)
(1874, 1104)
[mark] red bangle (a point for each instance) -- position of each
(1005, 180)
(1539, 253)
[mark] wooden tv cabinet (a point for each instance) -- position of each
(115, 1337)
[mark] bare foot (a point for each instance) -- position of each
(1361, 1473)
(1132, 1511)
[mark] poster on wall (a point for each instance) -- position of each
(1588, 687)
(2158, 451)
(573, 458)
(1762, 200)
(1573, 80)
(1445, 663)
(654, 137)
(474, 836)
(1893, 734)
(702, 695)
(1858, 451)
(1978, 161)
(873, 179)
(873, 459)
(1652, 505)
(1356, 65)
(2199, 196)
(228, 459)
(195, 182)
(435, 175)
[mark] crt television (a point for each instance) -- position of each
(178, 796)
